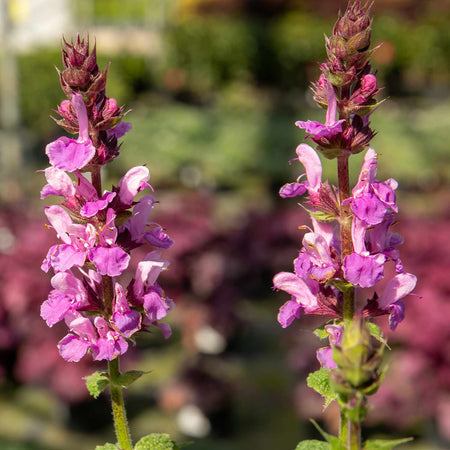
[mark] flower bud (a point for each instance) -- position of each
(358, 360)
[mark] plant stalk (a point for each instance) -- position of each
(118, 408)
(118, 405)
(345, 230)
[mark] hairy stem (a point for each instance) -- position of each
(97, 180)
(353, 435)
(118, 407)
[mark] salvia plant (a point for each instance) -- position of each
(350, 241)
(98, 230)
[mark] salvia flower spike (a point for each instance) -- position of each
(351, 240)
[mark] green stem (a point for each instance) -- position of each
(345, 230)
(118, 405)
(354, 435)
(349, 432)
(118, 408)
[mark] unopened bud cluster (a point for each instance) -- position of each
(346, 87)
(359, 368)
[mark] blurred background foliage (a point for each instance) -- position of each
(215, 87)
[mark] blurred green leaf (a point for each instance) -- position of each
(381, 444)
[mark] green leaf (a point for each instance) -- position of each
(320, 382)
(127, 378)
(107, 446)
(313, 445)
(321, 216)
(376, 332)
(339, 284)
(334, 442)
(321, 332)
(156, 441)
(381, 444)
(97, 382)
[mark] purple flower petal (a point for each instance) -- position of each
(397, 314)
(125, 319)
(369, 209)
(290, 311)
(65, 256)
(119, 130)
(133, 182)
(319, 130)
(158, 238)
(397, 288)
(292, 190)
(60, 220)
(59, 183)
(325, 357)
(55, 308)
(72, 348)
(148, 271)
(296, 287)
(68, 154)
(155, 307)
(311, 161)
(364, 270)
(90, 209)
(110, 261)
(165, 329)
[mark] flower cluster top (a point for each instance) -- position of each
(98, 230)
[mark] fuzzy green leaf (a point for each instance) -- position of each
(381, 444)
(320, 382)
(156, 441)
(127, 378)
(107, 446)
(313, 445)
(96, 383)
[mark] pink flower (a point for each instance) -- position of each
(332, 127)
(69, 154)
